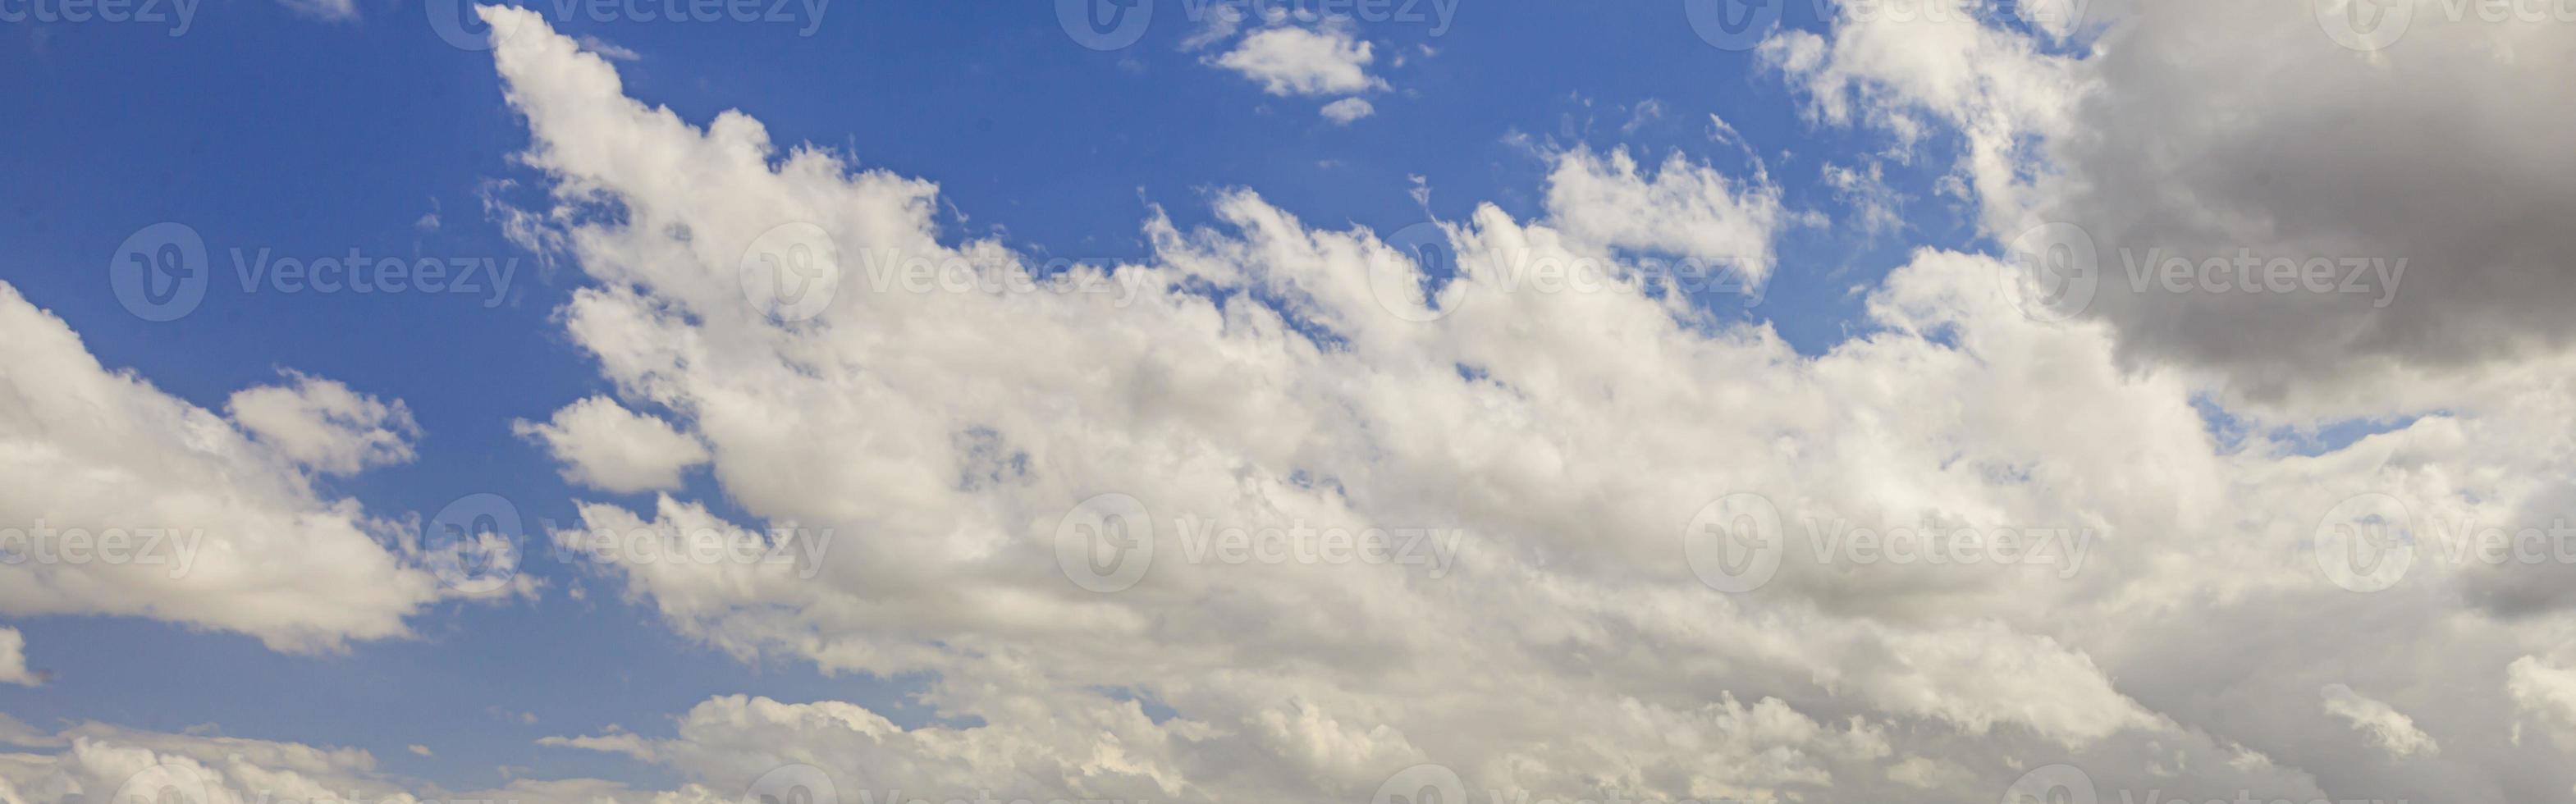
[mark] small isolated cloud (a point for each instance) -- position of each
(521, 718)
(13, 659)
(421, 750)
(335, 10)
(2392, 729)
(1348, 109)
(1291, 61)
(616, 741)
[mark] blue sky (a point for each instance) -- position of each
(318, 130)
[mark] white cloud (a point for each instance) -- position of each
(1263, 374)
(1682, 208)
(2392, 729)
(324, 425)
(1875, 206)
(334, 10)
(13, 659)
(2440, 150)
(102, 762)
(1293, 60)
(1348, 109)
(2545, 692)
(605, 446)
(221, 525)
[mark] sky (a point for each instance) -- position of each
(1189, 400)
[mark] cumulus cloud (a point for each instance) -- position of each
(1271, 373)
(2435, 152)
(607, 447)
(119, 499)
(2173, 610)
(1292, 60)
(2546, 692)
(1346, 110)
